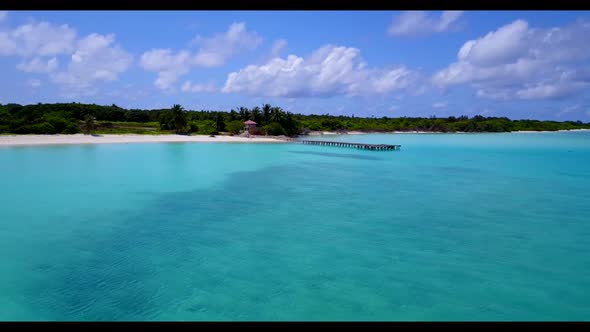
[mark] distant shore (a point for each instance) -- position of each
(333, 133)
(560, 131)
(16, 140)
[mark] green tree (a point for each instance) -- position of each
(89, 124)
(234, 127)
(57, 120)
(194, 126)
(276, 114)
(219, 123)
(71, 128)
(165, 119)
(244, 114)
(178, 119)
(290, 125)
(266, 110)
(256, 115)
(207, 127)
(5, 117)
(233, 115)
(275, 129)
(70, 118)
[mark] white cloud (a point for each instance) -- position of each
(520, 62)
(420, 23)
(277, 47)
(215, 51)
(37, 39)
(34, 83)
(95, 59)
(38, 65)
(188, 86)
(550, 90)
(439, 105)
(504, 45)
(328, 71)
(3, 14)
(169, 66)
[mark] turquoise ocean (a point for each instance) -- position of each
(451, 227)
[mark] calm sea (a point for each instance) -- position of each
(452, 227)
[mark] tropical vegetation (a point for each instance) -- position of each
(71, 118)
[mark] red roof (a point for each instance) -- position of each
(250, 122)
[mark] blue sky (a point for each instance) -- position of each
(366, 63)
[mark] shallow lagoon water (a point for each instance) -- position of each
(452, 227)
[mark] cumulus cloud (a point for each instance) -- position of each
(329, 71)
(213, 51)
(38, 65)
(421, 23)
(168, 65)
(520, 62)
(96, 59)
(506, 44)
(555, 90)
(188, 86)
(37, 39)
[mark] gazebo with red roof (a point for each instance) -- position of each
(250, 125)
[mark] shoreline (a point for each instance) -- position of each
(27, 140)
(548, 131)
(60, 139)
(333, 133)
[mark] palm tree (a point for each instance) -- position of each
(89, 124)
(233, 115)
(276, 114)
(219, 124)
(256, 115)
(178, 119)
(266, 113)
(244, 113)
(290, 124)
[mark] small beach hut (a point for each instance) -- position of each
(250, 126)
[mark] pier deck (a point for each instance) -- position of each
(363, 146)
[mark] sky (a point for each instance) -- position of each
(522, 65)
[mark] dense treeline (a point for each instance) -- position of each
(75, 117)
(477, 123)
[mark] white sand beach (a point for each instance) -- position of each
(318, 133)
(322, 133)
(12, 140)
(543, 131)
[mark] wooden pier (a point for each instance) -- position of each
(363, 146)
